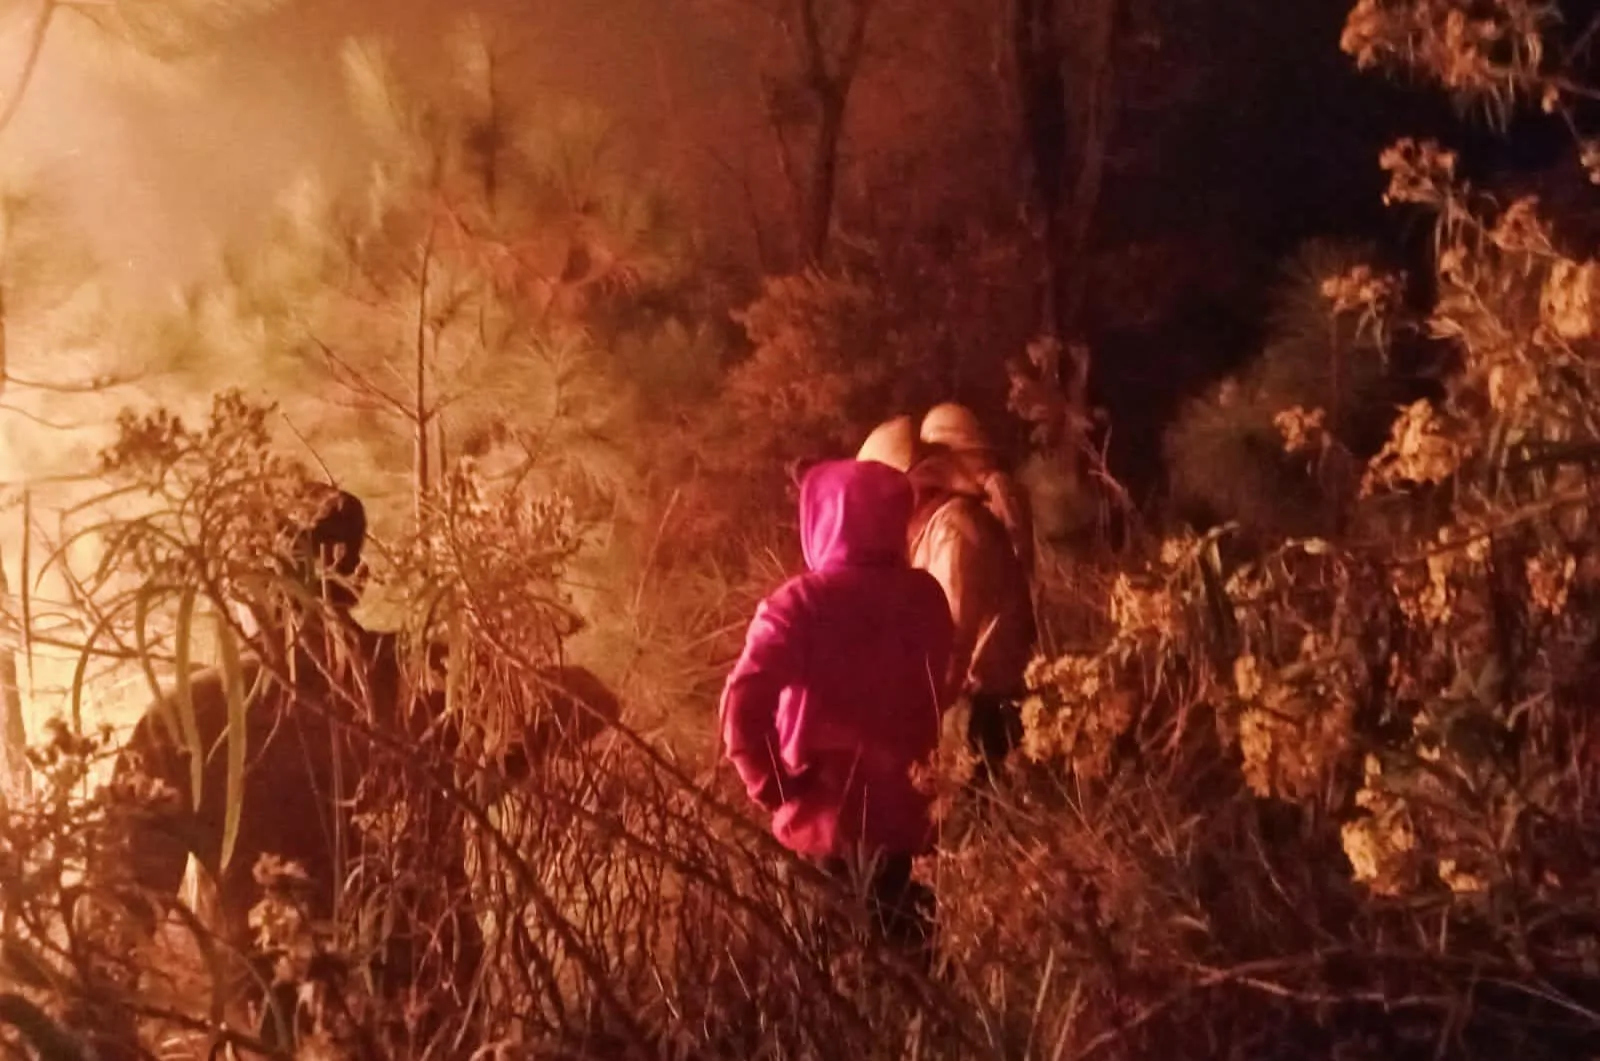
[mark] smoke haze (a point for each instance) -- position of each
(158, 174)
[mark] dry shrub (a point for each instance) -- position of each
(79, 975)
(1326, 796)
(624, 905)
(1320, 378)
(650, 911)
(1335, 795)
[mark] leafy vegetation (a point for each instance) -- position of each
(1315, 776)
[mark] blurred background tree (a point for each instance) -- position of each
(1228, 453)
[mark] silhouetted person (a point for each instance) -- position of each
(305, 750)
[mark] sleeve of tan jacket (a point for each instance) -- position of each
(1011, 503)
(948, 554)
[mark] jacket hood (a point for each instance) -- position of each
(854, 514)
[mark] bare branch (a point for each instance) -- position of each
(30, 61)
(357, 380)
(40, 420)
(93, 385)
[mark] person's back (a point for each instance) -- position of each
(954, 429)
(980, 559)
(298, 769)
(959, 541)
(972, 530)
(840, 688)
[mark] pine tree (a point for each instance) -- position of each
(489, 293)
(1228, 449)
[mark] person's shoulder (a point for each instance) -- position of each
(964, 518)
(942, 517)
(983, 523)
(792, 596)
(206, 692)
(210, 681)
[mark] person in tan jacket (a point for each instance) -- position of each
(956, 536)
(976, 465)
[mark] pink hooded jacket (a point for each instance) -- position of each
(840, 687)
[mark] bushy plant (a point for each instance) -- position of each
(624, 903)
(1320, 375)
(1406, 821)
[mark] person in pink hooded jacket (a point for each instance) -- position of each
(841, 687)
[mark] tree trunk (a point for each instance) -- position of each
(17, 781)
(422, 480)
(1062, 55)
(825, 70)
(824, 178)
(787, 169)
(1063, 51)
(1091, 116)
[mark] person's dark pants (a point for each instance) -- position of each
(902, 908)
(994, 728)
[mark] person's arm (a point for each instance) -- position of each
(155, 830)
(749, 710)
(950, 559)
(941, 643)
(1012, 504)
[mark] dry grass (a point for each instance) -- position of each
(1126, 896)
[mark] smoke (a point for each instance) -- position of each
(154, 169)
(159, 173)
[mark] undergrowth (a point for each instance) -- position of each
(1277, 797)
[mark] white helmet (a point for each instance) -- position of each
(954, 426)
(893, 442)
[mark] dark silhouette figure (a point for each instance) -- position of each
(329, 703)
